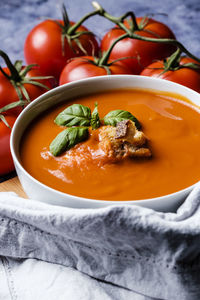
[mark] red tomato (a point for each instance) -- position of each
(84, 67)
(6, 162)
(142, 53)
(8, 93)
(43, 46)
(185, 76)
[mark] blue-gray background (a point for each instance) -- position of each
(17, 17)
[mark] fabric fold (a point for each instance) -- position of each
(155, 254)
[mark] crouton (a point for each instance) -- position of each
(123, 141)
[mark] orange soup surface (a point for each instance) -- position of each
(171, 124)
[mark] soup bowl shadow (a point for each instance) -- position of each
(41, 192)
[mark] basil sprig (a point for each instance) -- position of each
(95, 120)
(77, 118)
(116, 116)
(67, 139)
(74, 115)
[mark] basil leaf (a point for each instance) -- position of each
(74, 115)
(77, 135)
(67, 139)
(59, 144)
(95, 120)
(116, 116)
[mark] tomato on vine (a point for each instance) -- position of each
(18, 82)
(6, 160)
(52, 42)
(18, 86)
(137, 46)
(90, 66)
(182, 70)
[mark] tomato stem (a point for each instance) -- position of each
(14, 73)
(17, 89)
(13, 105)
(134, 25)
(18, 79)
(70, 33)
(3, 119)
(103, 61)
(72, 29)
(117, 21)
(173, 61)
(65, 19)
(165, 41)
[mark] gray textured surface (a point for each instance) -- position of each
(18, 17)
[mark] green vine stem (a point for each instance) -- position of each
(173, 61)
(10, 106)
(14, 73)
(118, 21)
(13, 105)
(103, 61)
(166, 41)
(131, 32)
(3, 119)
(69, 32)
(72, 29)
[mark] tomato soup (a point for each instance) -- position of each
(170, 123)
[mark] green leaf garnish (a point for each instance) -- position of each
(67, 139)
(74, 115)
(116, 116)
(95, 120)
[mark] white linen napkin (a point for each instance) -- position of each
(118, 252)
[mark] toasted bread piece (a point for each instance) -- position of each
(123, 141)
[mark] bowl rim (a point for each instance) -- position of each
(63, 87)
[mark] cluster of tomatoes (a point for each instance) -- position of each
(61, 51)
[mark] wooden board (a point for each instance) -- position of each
(12, 185)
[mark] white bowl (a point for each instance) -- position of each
(39, 191)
